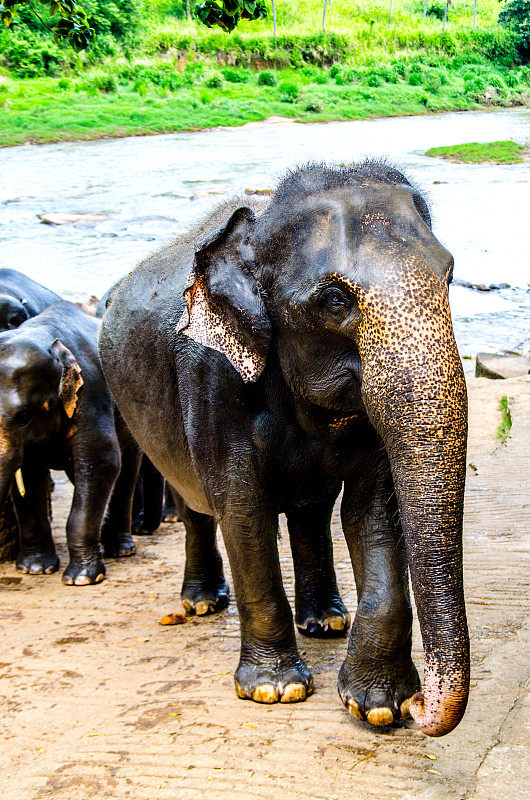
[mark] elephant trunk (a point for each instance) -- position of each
(415, 394)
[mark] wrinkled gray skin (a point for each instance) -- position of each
(56, 412)
(313, 349)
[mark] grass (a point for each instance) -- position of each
(181, 76)
(503, 431)
(482, 152)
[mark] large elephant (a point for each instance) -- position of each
(21, 298)
(56, 412)
(271, 356)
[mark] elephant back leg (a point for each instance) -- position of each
(320, 611)
(9, 537)
(204, 588)
(148, 499)
(37, 554)
(378, 677)
(116, 530)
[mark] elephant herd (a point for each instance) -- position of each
(285, 350)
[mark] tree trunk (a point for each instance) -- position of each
(324, 17)
(273, 21)
(475, 15)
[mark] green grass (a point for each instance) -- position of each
(503, 431)
(482, 152)
(180, 76)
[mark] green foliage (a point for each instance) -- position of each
(505, 152)
(215, 82)
(72, 24)
(503, 431)
(235, 76)
(516, 16)
(227, 13)
(267, 79)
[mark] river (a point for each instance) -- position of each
(150, 189)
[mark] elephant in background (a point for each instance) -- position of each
(275, 354)
(56, 412)
(21, 298)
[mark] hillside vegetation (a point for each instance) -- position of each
(151, 70)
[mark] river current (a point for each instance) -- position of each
(150, 189)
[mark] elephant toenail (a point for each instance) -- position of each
(354, 709)
(265, 694)
(203, 607)
(380, 716)
(293, 693)
(405, 709)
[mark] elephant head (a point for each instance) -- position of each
(12, 312)
(342, 275)
(39, 384)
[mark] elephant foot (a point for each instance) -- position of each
(283, 681)
(120, 547)
(324, 620)
(84, 574)
(378, 690)
(205, 599)
(38, 563)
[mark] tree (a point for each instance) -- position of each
(72, 24)
(516, 15)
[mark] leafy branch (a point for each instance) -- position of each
(227, 13)
(72, 26)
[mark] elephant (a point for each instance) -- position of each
(56, 412)
(21, 298)
(282, 351)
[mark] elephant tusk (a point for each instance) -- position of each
(20, 482)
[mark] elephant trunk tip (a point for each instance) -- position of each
(439, 709)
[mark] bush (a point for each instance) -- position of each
(28, 54)
(235, 76)
(267, 79)
(289, 92)
(214, 82)
(415, 79)
(315, 106)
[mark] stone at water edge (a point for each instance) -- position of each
(490, 365)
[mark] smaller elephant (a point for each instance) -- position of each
(21, 298)
(56, 412)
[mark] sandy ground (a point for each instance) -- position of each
(98, 700)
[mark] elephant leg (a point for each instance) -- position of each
(37, 551)
(96, 468)
(319, 609)
(204, 589)
(270, 668)
(150, 516)
(116, 531)
(378, 676)
(169, 513)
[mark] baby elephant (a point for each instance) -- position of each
(56, 412)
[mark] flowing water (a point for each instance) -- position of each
(150, 189)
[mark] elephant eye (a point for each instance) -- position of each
(24, 417)
(336, 300)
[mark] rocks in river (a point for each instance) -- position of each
(481, 287)
(264, 192)
(494, 366)
(70, 219)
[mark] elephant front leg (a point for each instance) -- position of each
(378, 677)
(37, 551)
(319, 609)
(95, 473)
(270, 667)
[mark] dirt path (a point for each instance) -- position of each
(98, 700)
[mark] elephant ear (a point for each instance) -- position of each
(71, 379)
(224, 309)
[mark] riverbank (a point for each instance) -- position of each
(145, 101)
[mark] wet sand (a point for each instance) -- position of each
(99, 700)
